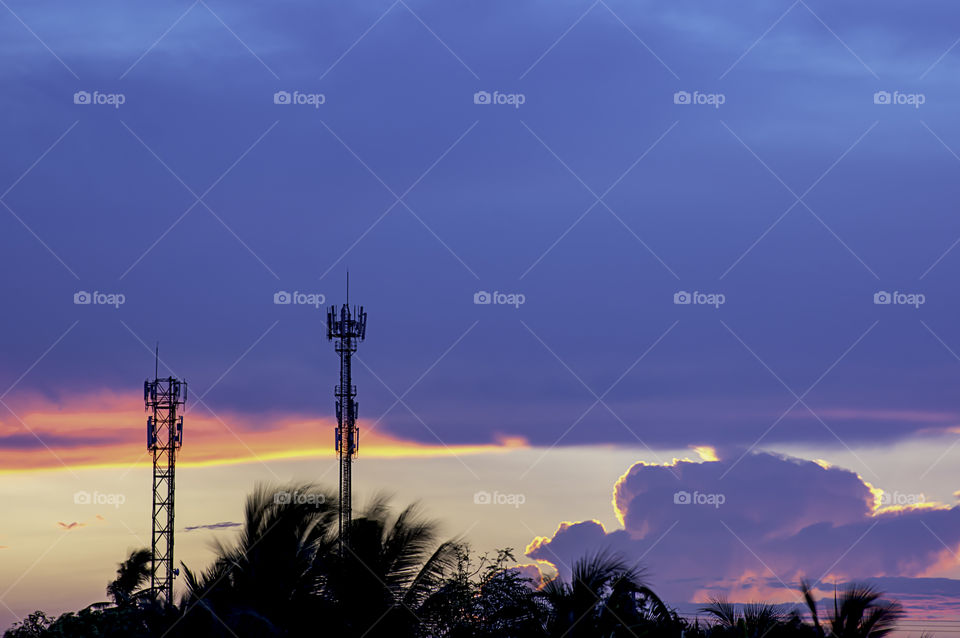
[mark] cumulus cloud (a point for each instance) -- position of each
(751, 528)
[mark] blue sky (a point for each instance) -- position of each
(598, 199)
(698, 197)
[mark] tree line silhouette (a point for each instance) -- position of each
(284, 577)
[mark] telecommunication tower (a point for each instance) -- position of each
(163, 398)
(347, 327)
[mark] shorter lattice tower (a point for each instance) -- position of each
(163, 398)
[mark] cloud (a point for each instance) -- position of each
(221, 525)
(529, 571)
(752, 528)
(77, 524)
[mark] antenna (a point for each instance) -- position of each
(346, 328)
(163, 398)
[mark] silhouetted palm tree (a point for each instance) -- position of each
(858, 612)
(753, 620)
(265, 583)
(284, 575)
(605, 597)
(132, 576)
(390, 567)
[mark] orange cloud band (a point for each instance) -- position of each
(109, 430)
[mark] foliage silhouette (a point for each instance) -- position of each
(283, 576)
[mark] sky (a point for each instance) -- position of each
(670, 278)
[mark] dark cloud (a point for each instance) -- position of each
(221, 525)
(45, 440)
(761, 525)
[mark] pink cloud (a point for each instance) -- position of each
(754, 527)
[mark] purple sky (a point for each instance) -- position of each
(598, 199)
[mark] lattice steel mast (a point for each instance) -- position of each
(348, 328)
(163, 397)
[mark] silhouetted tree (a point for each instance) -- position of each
(858, 612)
(753, 620)
(283, 576)
(267, 582)
(132, 575)
(33, 626)
(605, 597)
(485, 598)
(391, 567)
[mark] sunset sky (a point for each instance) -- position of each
(789, 169)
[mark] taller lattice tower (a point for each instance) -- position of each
(347, 328)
